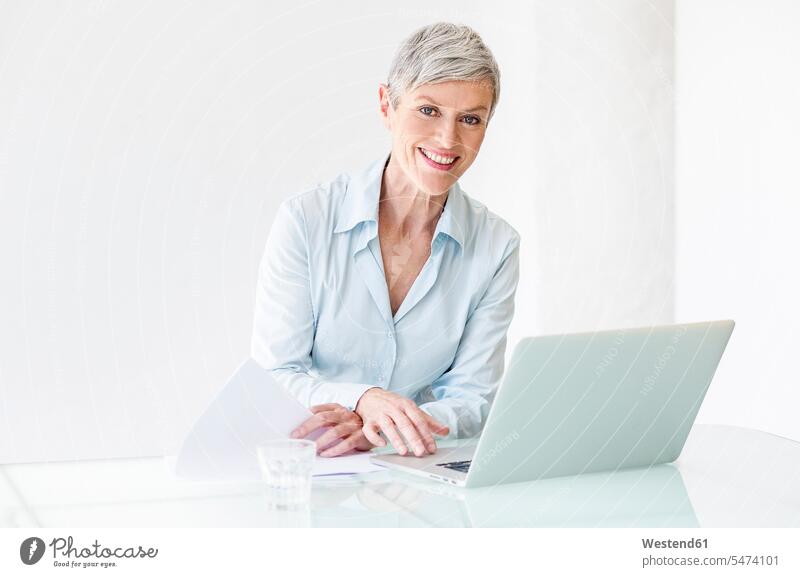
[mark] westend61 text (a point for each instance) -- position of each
(59, 544)
(673, 544)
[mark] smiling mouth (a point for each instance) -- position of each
(439, 161)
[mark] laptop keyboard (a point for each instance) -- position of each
(462, 466)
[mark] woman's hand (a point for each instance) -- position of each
(394, 414)
(345, 430)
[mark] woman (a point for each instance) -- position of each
(384, 298)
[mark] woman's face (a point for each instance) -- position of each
(445, 120)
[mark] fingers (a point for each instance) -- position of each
(402, 422)
(388, 428)
(372, 435)
(410, 432)
(313, 423)
(339, 431)
(417, 417)
(343, 446)
(436, 426)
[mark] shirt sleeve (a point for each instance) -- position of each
(284, 324)
(462, 393)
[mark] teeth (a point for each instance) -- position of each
(437, 158)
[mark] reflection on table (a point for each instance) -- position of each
(726, 476)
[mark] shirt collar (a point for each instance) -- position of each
(363, 193)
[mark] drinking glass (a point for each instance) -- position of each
(286, 466)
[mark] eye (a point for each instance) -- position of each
(422, 109)
(475, 120)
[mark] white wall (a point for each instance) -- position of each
(738, 200)
(602, 164)
(145, 147)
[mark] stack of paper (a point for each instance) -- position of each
(250, 409)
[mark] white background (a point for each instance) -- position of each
(738, 200)
(144, 148)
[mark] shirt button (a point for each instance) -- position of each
(390, 334)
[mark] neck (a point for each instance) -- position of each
(406, 207)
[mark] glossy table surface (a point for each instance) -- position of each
(725, 477)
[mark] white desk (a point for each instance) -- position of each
(725, 477)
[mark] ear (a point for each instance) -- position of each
(385, 106)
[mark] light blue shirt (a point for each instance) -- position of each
(323, 323)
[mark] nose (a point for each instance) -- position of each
(448, 135)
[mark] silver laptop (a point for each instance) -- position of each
(583, 403)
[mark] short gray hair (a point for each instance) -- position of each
(442, 52)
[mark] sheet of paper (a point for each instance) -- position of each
(352, 463)
(251, 408)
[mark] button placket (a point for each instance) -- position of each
(393, 350)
